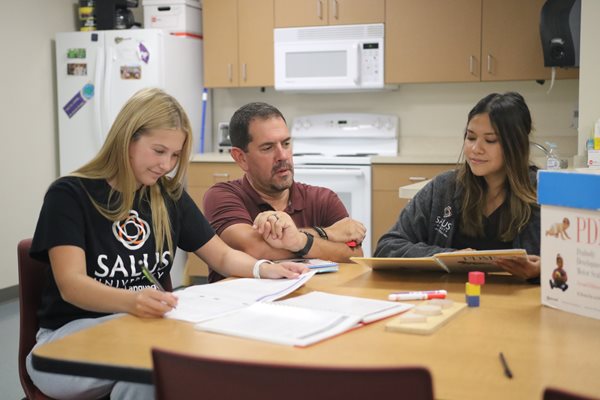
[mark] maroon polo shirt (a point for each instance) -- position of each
(236, 202)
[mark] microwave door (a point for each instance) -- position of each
(314, 66)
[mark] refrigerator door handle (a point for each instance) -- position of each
(98, 89)
(106, 95)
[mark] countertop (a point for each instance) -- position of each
(417, 159)
(401, 159)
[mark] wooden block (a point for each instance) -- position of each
(426, 328)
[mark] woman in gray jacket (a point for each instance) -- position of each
(488, 202)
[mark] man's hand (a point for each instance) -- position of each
(279, 231)
(346, 230)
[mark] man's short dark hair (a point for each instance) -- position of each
(240, 122)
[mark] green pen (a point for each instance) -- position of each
(152, 278)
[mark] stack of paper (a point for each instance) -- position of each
(203, 302)
(302, 320)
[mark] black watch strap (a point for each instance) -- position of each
(321, 232)
(309, 242)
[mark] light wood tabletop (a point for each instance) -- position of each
(543, 347)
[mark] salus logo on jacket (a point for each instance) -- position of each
(443, 223)
(125, 271)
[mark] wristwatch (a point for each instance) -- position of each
(309, 242)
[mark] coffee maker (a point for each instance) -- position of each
(115, 14)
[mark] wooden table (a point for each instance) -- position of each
(544, 347)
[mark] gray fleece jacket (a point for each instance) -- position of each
(427, 224)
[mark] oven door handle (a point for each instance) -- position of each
(329, 171)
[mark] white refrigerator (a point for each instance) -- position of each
(96, 72)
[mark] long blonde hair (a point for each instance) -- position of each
(146, 110)
(511, 120)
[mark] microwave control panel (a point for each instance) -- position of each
(371, 62)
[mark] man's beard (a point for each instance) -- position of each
(280, 187)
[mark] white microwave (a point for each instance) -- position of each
(340, 57)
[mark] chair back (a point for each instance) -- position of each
(33, 277)
(551, 393)
(180, 376)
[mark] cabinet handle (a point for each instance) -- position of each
(335, 9)
(417, 178)
(244, 72)
(230, 72)
(489, 64)
(320, 9)
(220, 175)
(472, 65)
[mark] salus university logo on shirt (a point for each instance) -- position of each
(132, 232)
(442, 223)
(124, 270)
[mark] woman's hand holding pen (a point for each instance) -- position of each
(152, 303)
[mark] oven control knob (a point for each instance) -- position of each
(388, 125)
(377, 124)
(306, 124)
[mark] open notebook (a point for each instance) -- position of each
(456, 261)
(202, 302)
(302, 320)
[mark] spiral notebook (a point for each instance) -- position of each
(302, 320)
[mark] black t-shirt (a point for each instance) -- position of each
(114, 251)
(490, 240)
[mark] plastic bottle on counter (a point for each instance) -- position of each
(552, 159)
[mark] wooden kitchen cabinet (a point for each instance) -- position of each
(291, 13)
(201, 176)
(464, 40)
(386, 181)
(238, 43)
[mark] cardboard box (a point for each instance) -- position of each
(174, 16)
(570, 240)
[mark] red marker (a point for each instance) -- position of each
(423, 295)
(351, 244)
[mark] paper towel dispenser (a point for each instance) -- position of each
(560, 23)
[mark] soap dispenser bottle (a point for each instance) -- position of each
(552, 160)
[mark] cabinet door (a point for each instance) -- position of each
(256, 43)
(201, 176)
(511, 48)
(220, 26)
(510, 41)
(345, 12)
(290, 13)
(432, 41)
(386, 204)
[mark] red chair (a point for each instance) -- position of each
(179, 376)
(560, 394)
(33, 277)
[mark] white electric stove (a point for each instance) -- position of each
(335, 151)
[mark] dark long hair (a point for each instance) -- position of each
(511, 120)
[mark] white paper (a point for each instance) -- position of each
(203, 302)
(368, 310)
(281, 324)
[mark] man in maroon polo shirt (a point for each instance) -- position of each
(268, 215)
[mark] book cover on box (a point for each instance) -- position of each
(570, 252)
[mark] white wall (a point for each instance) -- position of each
(589, 75)
(428, 113)
(28, 159)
